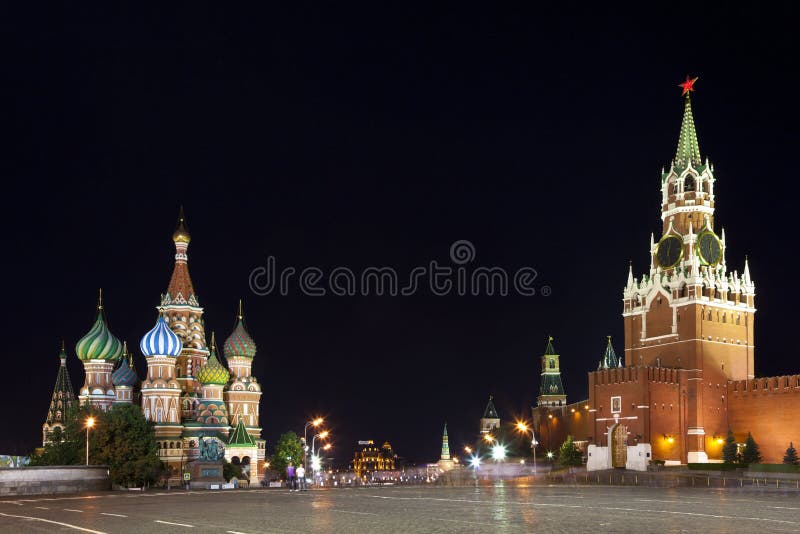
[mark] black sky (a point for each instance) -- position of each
(328, 136)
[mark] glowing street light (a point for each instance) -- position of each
(468, 449)
(488, 438)
(498, 452)
(89, 424)
(327, 447)
(549, 455)
(475, 462)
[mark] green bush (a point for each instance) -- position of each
(714, 467)
(774, 468)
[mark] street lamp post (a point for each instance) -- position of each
(89, 424)
(315, 423)
(521, 426)
(315, 461)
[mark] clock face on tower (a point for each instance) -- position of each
(709, 248)
(669, 251)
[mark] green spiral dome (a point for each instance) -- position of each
(99, 343)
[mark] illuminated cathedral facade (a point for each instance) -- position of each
(188, 393)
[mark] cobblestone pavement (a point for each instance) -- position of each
(500, 508)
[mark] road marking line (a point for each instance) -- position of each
(352, 512)
(54, 523)
(783, 507)
(176, 524)
(115, 515)
(42, 507)
(235, 532)
(72, 510)
(462, 521)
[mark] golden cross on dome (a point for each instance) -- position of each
(688, 85)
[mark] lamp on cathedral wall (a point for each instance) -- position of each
(669, 438)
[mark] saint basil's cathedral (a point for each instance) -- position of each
(188, 393)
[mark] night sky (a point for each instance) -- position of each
(326, 136)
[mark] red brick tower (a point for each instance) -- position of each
(689, 313)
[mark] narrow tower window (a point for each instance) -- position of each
(688, 183)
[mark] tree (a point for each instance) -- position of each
(791, 455)
(751, 454)
(127, 444)
(288, 449)
(121, 438)
(729, 450)
(569, 455)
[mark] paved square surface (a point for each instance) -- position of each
(501, 508)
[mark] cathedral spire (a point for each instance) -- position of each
(688, 151)
(63, 398)
(180, 290)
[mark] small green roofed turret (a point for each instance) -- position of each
(610, 359)
(239, 437)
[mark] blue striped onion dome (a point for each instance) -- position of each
(213, 372)
(239, 344)
(124, 375)
(99, 343)
(161, 341)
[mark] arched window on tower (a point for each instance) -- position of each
(552, 363)
(688, 183)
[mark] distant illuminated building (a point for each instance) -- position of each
(490, 420)
(372, 459)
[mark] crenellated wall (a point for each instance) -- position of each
(769, 408)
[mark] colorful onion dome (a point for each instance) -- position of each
(239, 344)
(99, 343)
(181, 234)
(161, 341)
(124, 375)
(213, 372)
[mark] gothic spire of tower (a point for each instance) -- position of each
(445, 445)
(180, 289)
(688, 148)
(490, 419)
(490, 412)
(551, 389)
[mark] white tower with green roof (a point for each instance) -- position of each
(551, 390)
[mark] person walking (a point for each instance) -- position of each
(290, 477)
(301, 477)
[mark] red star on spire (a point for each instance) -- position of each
(688, 85)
